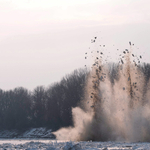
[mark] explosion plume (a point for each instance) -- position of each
(116, 103)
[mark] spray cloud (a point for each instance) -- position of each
(116, 103)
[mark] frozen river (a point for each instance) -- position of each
(47, 144)
(25, 140)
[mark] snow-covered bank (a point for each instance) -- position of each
(41, 138)
(31, 133)
(59, 145)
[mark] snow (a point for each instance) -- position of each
(30, 133)
(37, 132)
(41, 138)
(69, 145)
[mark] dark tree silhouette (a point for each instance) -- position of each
(43, 107)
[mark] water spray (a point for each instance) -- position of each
(116, 102)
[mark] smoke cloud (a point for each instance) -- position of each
(116, 103)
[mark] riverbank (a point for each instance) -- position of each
(30, 133)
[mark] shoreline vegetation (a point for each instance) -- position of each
(21, 109)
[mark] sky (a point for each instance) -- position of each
(43, 40)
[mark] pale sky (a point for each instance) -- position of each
(43, 40)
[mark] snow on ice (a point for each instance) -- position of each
(61, 145)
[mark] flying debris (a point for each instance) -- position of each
(85, 53)
(124, 52)
(95, 37)
(92, 41)
(128, 78)
(104, 74)
(101, 78)
(130, 43)
(85, 57)
(133, 55)
(122, 61)
(101, 53)
(103, 45)
(140, 56)
(100, 68)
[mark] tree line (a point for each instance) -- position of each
(43, 107)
